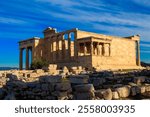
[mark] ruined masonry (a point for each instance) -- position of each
(76, 48)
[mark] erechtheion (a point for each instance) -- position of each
(74, 48)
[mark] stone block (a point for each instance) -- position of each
(115, 95)
(4, 75)
(32, 75)
(45, 87)
(51, 79)
(38, 71)
(123, 91)
(12, 76)
(80, 68)
(147, 88)
(134, 90)
(53, 72)
(84, 88)
(117, 85)
(63, 86)
(104, 93)
(79, 79)
(142, 89)
(59, 94)
(98, 81)
(52, 66)
(132, 84)
(1, 75)
(139, 80)
(84, 96)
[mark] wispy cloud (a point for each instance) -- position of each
(63, 3)
(7, 20)
(143, 2)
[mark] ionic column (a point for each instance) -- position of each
(32, 54)
(20, 59)
(63, 48)
(57, 48)
(52, 49)
(60, 48)
(75, 46)
(27, 59)
(69, 46)
(109, 50)
(138, 56)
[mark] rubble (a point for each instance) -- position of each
(40, 85)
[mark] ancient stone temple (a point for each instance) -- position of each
(75, 48)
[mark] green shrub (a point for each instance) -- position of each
(38, 64)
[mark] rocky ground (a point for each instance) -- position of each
(102, 85)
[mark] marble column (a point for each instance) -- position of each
(21, 59)
(75, 46)
(31, 54)
(69, 46)
(63, 47)
(27, 58)
(52, 50)
(138, 54)
(57, 48)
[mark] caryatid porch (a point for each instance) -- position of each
(94, 46)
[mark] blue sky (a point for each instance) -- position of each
(22, 19)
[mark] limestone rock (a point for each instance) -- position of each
(97, 81)
(84, 96)
(2, 93)
(79, 79)
(12, 76)
(142, 89)
(147, 88)
(139, 80)
(59, 94)
(115, 95)
(134, 90)
(63, 86)
(84, 88)
(123, 91)
(104, 93)
(45, 87)
(51, 78)
(31, 75)
(38, 71)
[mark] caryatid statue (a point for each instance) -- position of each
(99, 49)
(106, 47)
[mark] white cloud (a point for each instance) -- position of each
(7, 20)
(142, 2)
(60, 2)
